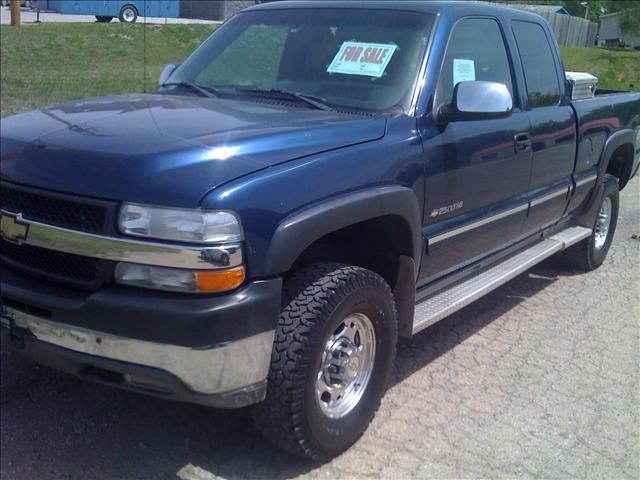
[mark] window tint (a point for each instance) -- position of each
(475, 51)
(254, 54)
(538, 63)
(351, 58)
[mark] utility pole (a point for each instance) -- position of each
(15, 13)
(586, 12)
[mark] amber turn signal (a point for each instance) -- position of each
(220, 281)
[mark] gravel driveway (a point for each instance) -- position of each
(539, 379)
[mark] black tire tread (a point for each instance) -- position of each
(580, 255)
(308, 297)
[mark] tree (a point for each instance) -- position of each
(629, 10)
(629, 15)
(15, 13)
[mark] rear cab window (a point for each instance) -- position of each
(540, 73)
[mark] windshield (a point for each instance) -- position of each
(353, 59)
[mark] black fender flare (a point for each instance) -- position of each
(615, 141)
(587, 215)
(301, 229)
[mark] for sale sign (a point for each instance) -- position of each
(356, 58)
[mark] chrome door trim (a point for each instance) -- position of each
(585, 181)
(60, 239)
(477, 224)
(550, 196)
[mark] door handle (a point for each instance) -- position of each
(522, 142)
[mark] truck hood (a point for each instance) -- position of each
(165, 149)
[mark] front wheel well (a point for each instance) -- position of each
(621, 163)
(383, 245)
(374, 244)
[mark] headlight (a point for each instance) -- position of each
(180, 224)
(177, 280)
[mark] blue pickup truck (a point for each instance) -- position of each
(316, 179)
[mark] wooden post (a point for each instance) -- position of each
(15, 13)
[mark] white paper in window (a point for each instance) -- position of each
(464, 70)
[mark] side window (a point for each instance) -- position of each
(539, 66)
(475, 51)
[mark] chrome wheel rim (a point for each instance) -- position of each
(602, 224)
(346, 367)
(128, 15)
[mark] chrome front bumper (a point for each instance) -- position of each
(231, 367)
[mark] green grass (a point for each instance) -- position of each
(618, 69)
(49, 63)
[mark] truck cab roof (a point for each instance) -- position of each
(425, 6)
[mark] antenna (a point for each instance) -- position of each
(144, 50)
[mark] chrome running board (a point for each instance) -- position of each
(451, 299)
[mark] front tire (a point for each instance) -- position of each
(332, 356)
(590, 253)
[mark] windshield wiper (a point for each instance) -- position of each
(316, 102)
(204, 91)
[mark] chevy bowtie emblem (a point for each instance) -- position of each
(12, 227)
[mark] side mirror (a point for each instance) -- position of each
(477, 100)
(166, 72)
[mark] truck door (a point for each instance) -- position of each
(477, 173)
(553, 126)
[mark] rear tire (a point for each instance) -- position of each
(103, 18)
(128, 14)
(590, 253)
(320, 397)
